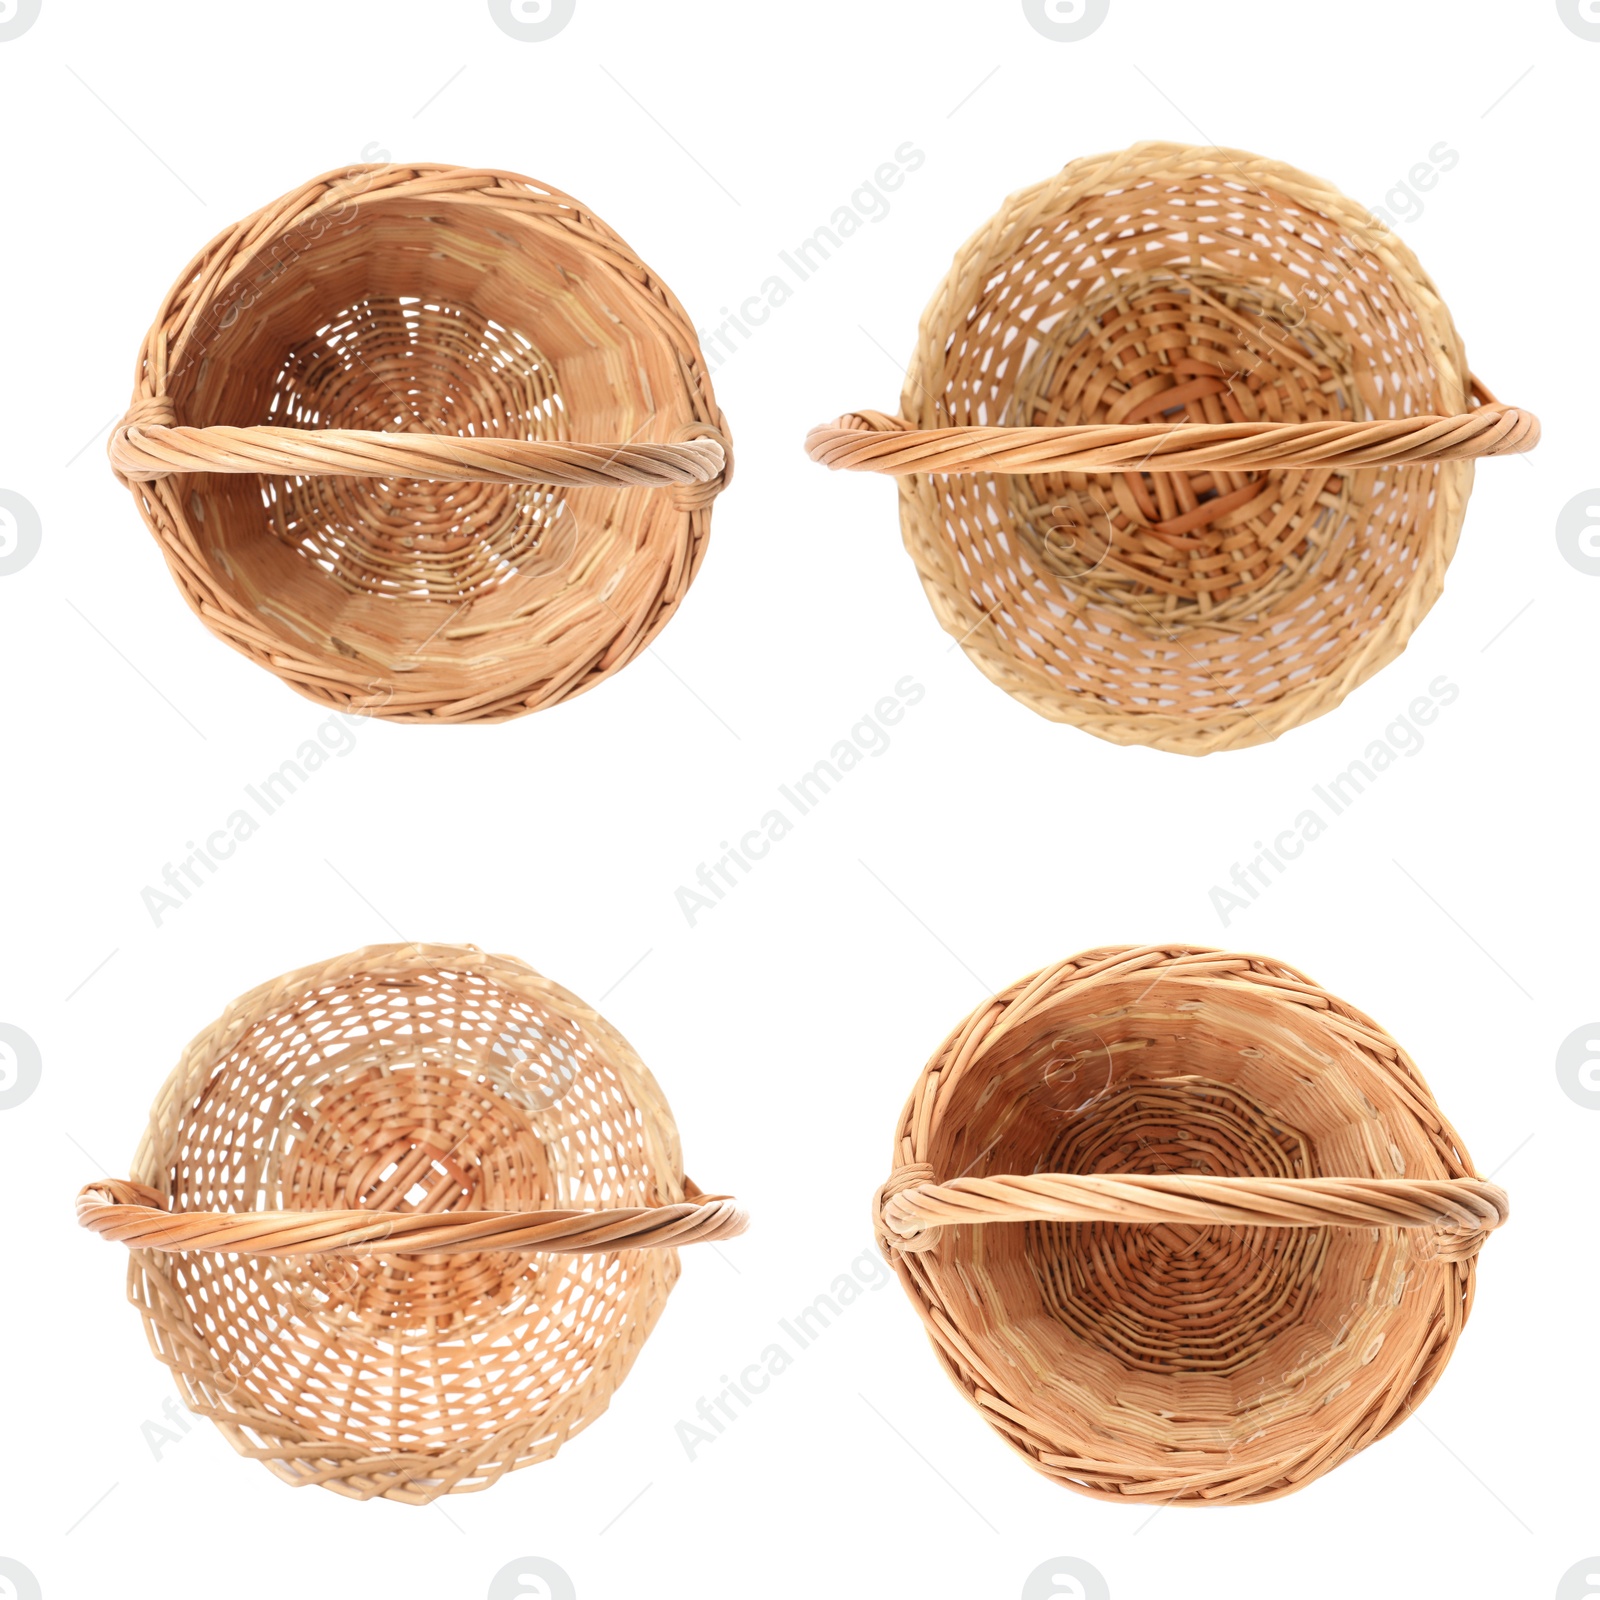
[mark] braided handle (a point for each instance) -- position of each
(136, 1215)
(912, 1207)
(870, 441)
(148, 444)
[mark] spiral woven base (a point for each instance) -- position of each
(1183, 1226)
(1184, 447)
(430, 1097)
(428, 442)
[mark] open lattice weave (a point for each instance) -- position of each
(1184, 447)
(1182, 1225)
(428, 442)
(401, 1221)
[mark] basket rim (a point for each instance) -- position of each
(200, 1059)
(548, 653)
(474, 1453)
(242, 244)
(1020, 1002)
(1223, 727)
(1138, 1441)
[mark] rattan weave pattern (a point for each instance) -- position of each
(401, 1221)
(1183, 1226)
(429, 443)
(1184, 447)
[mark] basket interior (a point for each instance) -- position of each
(434, 314)
(432, 1090)
(1201, 297)
(1203, 1339)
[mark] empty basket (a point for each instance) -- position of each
(428, 442)
(1184, 447)
(1182, 1225)
(400, 1222)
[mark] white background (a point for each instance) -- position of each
(1454, 902)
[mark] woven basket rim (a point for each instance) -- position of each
(1464, 422)
(373, 1324)
(1223, 728)
(154, 449)
(1116, 1451)
(198, 1063)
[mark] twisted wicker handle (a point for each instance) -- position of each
(870, 441)
(912, 1206)
(135, 1215)
(148, 444)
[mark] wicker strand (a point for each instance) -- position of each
(402, 1220)
(872, 442)
(1243, 1237)
(1183, 448)
(136, 1216)
(141, 453)
(1465, 1209)
(429, 443)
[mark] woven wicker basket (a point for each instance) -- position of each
(1184, 447)
(1183, 1226)
(401, 1221)
(427, 442)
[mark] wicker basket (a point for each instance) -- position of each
(1183, 1226)
(1184, 447)
(401, 1221)
(427, 442)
